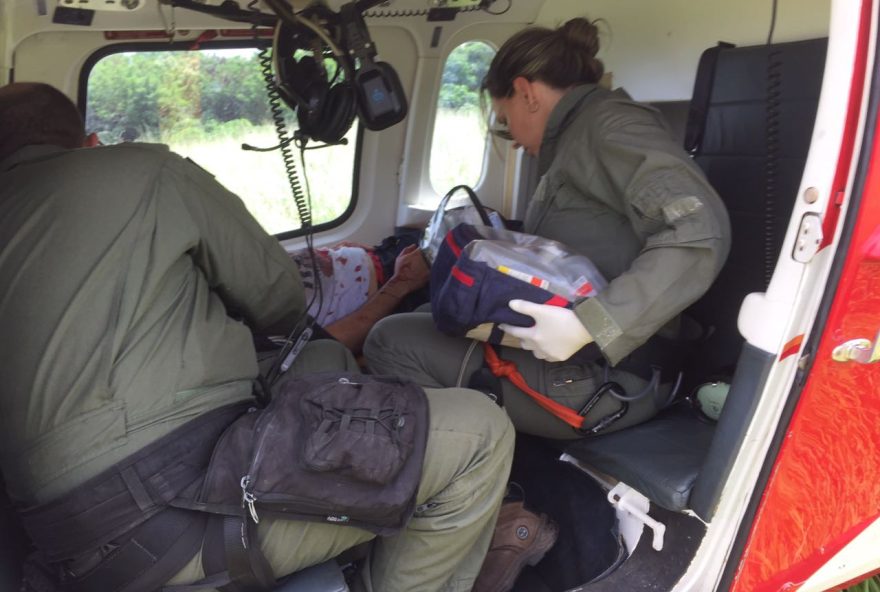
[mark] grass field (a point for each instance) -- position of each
(260, 180)
(457, 155)
(458, 149)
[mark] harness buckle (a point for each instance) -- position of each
(248, 498)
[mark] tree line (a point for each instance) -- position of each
(156, 94)
(165, 95)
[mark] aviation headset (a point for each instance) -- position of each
(324, 70)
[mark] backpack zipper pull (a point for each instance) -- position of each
(248, 498)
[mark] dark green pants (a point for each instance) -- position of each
(409, 345)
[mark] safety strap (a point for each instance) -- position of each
(121, 498)
(248, 568)
(149, 558)
(506, 369)
(699, 109)
(231, 554)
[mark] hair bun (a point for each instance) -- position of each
(562, 58)
(582, 34)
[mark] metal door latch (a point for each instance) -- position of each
(861, 351)
(808, 239)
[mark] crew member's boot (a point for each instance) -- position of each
(521, 538)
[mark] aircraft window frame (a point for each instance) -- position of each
(486, 144)
(164, 45)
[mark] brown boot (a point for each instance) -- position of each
(521, 538)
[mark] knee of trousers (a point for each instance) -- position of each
(324, 355)
(377, 337)
(394, 336)
(468, 411)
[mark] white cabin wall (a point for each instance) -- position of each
(39, 50)
(652, 47)
(36, 61)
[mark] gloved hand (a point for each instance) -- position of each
(556, 334)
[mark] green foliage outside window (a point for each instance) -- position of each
(175, 95)
(204, 105)
(459, 142)
(463, 74)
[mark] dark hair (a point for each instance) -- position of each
(561, 58)
(36, 113)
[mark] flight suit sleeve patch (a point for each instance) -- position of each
(681, 208)
(602, 328)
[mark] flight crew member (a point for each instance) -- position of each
(614, 186)
(122, 267)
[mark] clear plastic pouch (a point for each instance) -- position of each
(445, 220)
(538, 261)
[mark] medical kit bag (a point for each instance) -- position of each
(479, 270)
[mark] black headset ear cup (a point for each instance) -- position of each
(301, 85)
(324, 112)
(304, 87)
(380, 96)
(337, 114)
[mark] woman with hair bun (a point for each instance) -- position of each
(614, 186)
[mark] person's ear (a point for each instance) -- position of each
(523, 87)
(91, 141)
(526, 89)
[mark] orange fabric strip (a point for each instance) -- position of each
(506, 369)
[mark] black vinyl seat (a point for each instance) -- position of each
(661, 460)
(751, 139)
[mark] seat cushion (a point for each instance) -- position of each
(660, 458)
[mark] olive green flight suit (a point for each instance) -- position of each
(617, 188)
(124, 269)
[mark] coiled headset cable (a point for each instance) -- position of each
(301, 331)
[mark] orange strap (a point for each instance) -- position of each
(506, 369)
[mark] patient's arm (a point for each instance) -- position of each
(411, 272)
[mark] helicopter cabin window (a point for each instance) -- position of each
(207, 105)
(458, 149)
